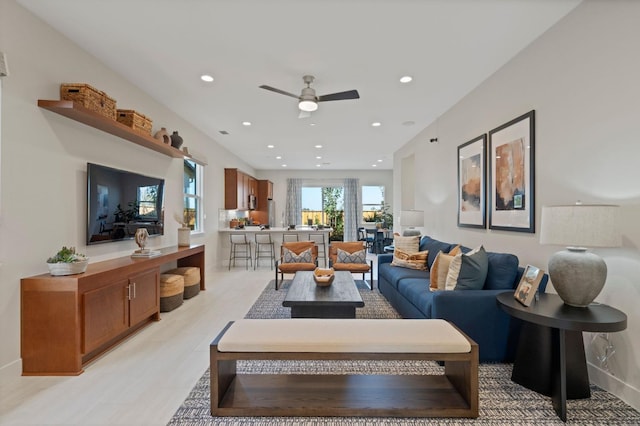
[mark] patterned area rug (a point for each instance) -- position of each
(502, 402)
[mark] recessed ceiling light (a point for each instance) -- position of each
(318, 146)
(312, 124)
(405, 79)
(270, 146)
(279, 157)
(284, 165)
(246, 123)
(408, 123)
(376, 124)
(206, 77)
(318, 157)
(318, 165)
(379, 161)
(374, 165)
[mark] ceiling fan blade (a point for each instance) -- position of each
(349, 94)
(282, 92)
(304, 114)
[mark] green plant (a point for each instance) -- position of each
(67, 255)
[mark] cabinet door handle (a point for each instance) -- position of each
(134, 290)
(129, 292)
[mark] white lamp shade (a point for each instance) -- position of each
(581, 225)
(412, 218)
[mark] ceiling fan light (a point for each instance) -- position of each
(308, 106)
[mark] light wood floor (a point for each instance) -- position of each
(144, 380)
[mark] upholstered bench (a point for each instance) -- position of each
(452, 394)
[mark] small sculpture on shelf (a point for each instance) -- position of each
(141, 240)
(176, 140)
(163, 135)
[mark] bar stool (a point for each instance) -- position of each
(320, 242)
(240, 249)
(289, 238)
(268, 252)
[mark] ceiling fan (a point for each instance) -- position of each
(308, 101)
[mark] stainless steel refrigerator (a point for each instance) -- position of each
(271, 208)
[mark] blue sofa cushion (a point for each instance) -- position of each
(468, 271)
(503, 269)
(417, 292)
(434, 246)
(393, 274)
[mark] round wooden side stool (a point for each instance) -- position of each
(171, 291)
(191, 276)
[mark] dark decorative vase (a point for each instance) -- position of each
(176, 140)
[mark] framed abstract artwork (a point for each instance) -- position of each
(472, 183)
(511, 182)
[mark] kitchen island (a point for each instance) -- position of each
(276, 233)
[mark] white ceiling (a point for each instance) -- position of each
(163, 46)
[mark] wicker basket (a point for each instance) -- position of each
(191, 276)
(90, 98)
(323, 276)
(171, 292)
(135, 120)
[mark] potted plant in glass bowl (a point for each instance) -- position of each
(67, 262)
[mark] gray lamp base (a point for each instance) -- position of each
(577, 275)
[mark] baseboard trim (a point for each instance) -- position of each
(614, 385)
(11, 370)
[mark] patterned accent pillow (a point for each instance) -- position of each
(410, 260)
(291, 257)
(355, 257)
(439, 270)
(407, 244)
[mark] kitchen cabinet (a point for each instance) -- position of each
(237, 188)
(265, 193)
(67, 321)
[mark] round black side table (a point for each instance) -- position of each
(550, 358)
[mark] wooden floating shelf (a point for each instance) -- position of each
(83, 115)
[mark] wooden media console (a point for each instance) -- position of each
(66, 321)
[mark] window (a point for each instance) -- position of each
(192, 214)
(372, 203)
(324, 206)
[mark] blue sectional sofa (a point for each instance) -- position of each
(475, 312)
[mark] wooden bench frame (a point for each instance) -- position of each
(454, 394)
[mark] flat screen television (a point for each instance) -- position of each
(119, 202)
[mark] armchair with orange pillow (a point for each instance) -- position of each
(351, 256)
(296, 256)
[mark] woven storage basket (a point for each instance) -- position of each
(191, 276)
(171, 291)
(90, 98)
(135, 120)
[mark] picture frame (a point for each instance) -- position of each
(512, 160)
(472, 183)
(528, 285)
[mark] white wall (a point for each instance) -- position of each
(44, 158)
(582, 79)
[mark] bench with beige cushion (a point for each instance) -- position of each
(452, 394)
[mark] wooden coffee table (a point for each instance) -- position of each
(308, 300)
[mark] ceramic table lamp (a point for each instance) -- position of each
(577, 274)
(411, 219)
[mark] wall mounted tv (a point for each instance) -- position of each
(119, 202)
